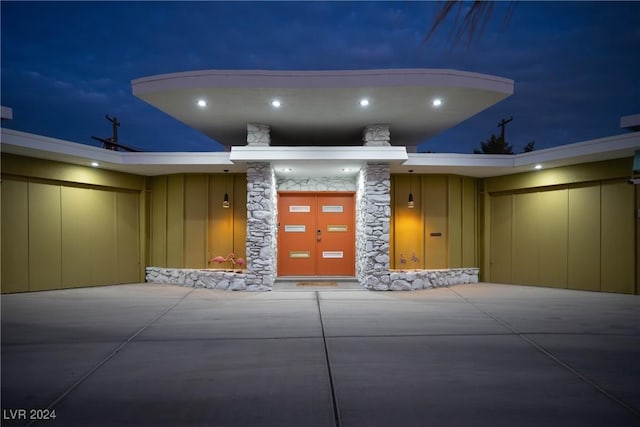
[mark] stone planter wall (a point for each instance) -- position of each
(407, 280)
(233, 281)
(210, 279)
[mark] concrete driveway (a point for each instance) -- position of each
(470, 355)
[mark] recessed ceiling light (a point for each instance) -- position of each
(437, 102)
(201, 103)
(537, 167)
(276, 103)
(95, 164)
(364, 102)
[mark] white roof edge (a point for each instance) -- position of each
(457, 159)
(611, 145)
(6, 113)
(320, 79)
(632, 121)
(275, 153)
(47, 144)
(617, 146)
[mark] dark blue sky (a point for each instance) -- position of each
(67, 64)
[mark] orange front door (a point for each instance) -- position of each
(316, 235)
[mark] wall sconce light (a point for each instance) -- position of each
(225, 201)
(410, 204)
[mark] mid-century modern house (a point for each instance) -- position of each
(321, 179)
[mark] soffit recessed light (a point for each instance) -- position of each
(95, 164)
(364, 102)
(201, 103)
(276, 103)
(436, 102)
(537, 167)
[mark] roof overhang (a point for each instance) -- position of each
(318, 161)
(322, 107)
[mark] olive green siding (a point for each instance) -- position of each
(66, 226)
(571, 227)
(189, 226)
(441, 230)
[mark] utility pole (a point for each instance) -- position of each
(502, 125)
(112, 143)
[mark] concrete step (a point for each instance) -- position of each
(290, 283)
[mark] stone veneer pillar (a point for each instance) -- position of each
(261, 227)
(376, 135)
(373, 207)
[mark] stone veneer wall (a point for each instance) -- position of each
(211, 279)
(317, 184)
(373, 213)
(262, 249)
(237, 281)
(407, 280)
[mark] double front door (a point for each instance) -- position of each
(316, 235)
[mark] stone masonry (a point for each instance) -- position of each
(261, 226)
(373, 210)
(377, 135)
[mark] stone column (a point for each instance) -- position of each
(261, 227)
(258, 135)
(376, 135)
(372, 226)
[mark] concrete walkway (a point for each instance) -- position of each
(471, 355)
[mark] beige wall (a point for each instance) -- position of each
(189, 226)
(66, 225)
(571, 227)
(441, 230)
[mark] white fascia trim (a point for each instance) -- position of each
(43, 144)
(46, 144)
(6, 113)
(320, 79)
(610, 147)
(271, 153)
(176, 158)
(460, 160)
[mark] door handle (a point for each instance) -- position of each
(319, 235)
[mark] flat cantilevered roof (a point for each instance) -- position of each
(322, 107)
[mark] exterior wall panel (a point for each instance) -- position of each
(455, 221)
(77, 238)
(617, 235)
(128, 223)
(584, 238)
(221, 221)
(195, 221)
(435, 205)
(553, 237)
(45, 237)
(15, 235)
(158, 226)
(408, 224)
(469, 223)
(175, 221)
(526, 250)
(501, 238)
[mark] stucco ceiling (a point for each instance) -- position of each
(322, 107)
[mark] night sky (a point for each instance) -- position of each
(576, 65)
